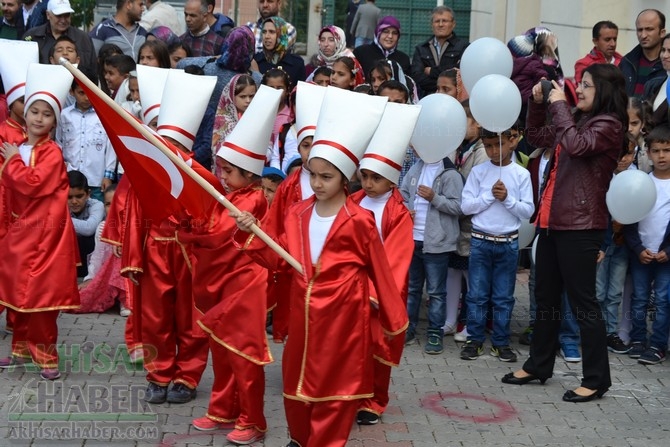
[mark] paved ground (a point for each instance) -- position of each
(436, 400)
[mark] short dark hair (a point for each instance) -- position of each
(274, 178)
(659, 134)
(323, 70)
(603, 24)
(660, 15)
(392, 84)
(78, 180)
(63, 38)
(485, 133)
(122, 62)
(90, 74)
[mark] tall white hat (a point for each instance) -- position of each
(387, 149)
(246, 146)
(151, 81)
(347, 121)
(50, 83)
(308, 100)
(16, 56)
(183, 105)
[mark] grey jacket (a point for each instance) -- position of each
(442, 227)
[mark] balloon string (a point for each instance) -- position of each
(500, 154)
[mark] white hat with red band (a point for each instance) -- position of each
(387, 149)
(247, 145)
(16, 56)
(151, 81)
(308, 100)
(49, 83)
(347, 121)
(183, 105)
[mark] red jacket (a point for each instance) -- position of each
(594, 57)
(588, 154)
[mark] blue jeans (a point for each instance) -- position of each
(643, 276)
(491, 277)
(430, 268)
(610, 278)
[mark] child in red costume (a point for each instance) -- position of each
(338, 247)
(37, 270)
(229, 287)
(379, 173)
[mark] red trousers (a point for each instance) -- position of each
(171, 351)
(238, 389)
(35, 335)
(382, 380)
(320, 424)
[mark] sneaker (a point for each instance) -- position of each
(155, 394)
(292, 444)
(206, 424)
(616, 345)
(410, 337)
(637, 348)
(434, 344)
(570, 353)
(504, 353)
(526, 336)
(181, 394)
(12, 361)
(471, 350)
(124, 312)
(652, 356)
(462, 335)
(50, 373)
(365, 417)
(245, 436)
(448, 330)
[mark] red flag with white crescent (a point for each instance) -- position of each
(162, 188)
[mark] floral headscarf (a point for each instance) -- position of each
(340, 45)
(226, 114)
(238, 50)
(283, 41)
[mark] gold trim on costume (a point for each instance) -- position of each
(230, 348)
(405, 326)
(218, 419)
(132, 269)
(385, 362)
(303, 398)
(248, 241)
(308, 295)
(41, 309)
(111, 242)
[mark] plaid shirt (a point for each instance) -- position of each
(257, 29)
(208, 44)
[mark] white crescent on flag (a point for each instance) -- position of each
(143, 147)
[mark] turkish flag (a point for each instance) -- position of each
(162, 188)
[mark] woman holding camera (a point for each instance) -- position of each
(572, 218)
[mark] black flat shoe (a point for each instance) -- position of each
(513, 380)
(571, 396)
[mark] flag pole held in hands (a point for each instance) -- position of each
(181, 164)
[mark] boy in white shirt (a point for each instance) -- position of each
(498, 194)
(649, 240)
(86, 147)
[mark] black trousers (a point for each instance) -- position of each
(567, 259)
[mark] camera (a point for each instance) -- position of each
(547, 86)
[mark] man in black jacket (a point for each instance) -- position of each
(643, 63)
(440, 52)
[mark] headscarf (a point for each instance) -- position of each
(238, 50)
(165, 34)
(387, 22)
(283, 41)
(226, 114)
(544, 47)
(340, 45)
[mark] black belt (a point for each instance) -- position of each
(496, 237)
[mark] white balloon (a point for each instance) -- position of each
(483, 57)
(631, 197)
(533, 249)
(495, 103)
(440, 128)
(526, 233)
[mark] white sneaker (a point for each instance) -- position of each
(124, 312)
(461, 336)
(447, 329)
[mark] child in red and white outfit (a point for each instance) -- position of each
(379, 173)
(38, 275)
(337, 244)
(229, 286)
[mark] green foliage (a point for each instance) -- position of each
(83, 13)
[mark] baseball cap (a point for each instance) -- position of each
(58, 7)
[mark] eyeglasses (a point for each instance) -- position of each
(584, 85)
(390, 32)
